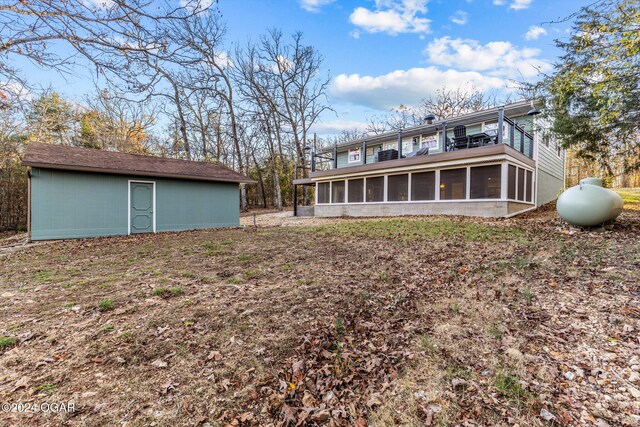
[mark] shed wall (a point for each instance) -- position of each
(69, 204)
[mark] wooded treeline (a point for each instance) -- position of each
(169, 82)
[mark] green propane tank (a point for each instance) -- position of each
(589, 204)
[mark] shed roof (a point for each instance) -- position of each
(92, 160)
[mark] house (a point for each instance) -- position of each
(82, 192)
(497, 162)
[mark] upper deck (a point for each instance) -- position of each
(494, 131)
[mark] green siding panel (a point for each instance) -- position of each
(189, 205)
(67, 204)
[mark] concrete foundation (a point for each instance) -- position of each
(485, 209)
(305, 210)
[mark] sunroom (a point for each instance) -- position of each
(495, 184)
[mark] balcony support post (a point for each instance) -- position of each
(444, 137)
(364, 152)
(335, 157)
(500, 124)
(400, 144)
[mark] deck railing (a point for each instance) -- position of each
(507, 132)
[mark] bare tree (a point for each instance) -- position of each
(105, 33)
(202, 35)
(442, 104)
(110, 121)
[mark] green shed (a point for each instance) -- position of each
(82, 192)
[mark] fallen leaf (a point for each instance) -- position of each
(159, 363)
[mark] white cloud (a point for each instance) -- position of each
(337, 126)
(392, 17)
(460, 17)
(535, 33)
(520, 4)
(406, 87)
(314, 6)
(355, 34)
(514, 4)
(501, 59)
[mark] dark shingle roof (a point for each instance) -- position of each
(92, 160)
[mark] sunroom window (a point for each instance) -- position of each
(529, 186)
(511, 182)
(356, 190)
(398, 188)
(423, 186)
(375, 189)
(337, 192)
(453, 184)
(323, 192)
(520, 184)
(485, 182)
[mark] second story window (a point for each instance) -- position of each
(354, 155)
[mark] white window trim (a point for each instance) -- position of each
(129, 182)
(359, 151)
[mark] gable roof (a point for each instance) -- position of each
(52, 156)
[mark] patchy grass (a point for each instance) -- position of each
(408, 230)
(105, 304)
(385, 322)
(46, 388)
(7, 342)
(629, 196)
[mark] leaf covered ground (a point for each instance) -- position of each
(402, 321)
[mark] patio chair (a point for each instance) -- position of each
(460, 138)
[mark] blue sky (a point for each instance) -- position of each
(382, 53)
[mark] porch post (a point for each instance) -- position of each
(364, 152)
(500, 123)
(522, 140)
(400, 144)
(313, 161)
(444, 137)
(295, 200)
(335, 157)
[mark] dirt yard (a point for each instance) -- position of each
(403, 321)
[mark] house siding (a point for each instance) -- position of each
(549, 187)
(69, 204)
(550, 172)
